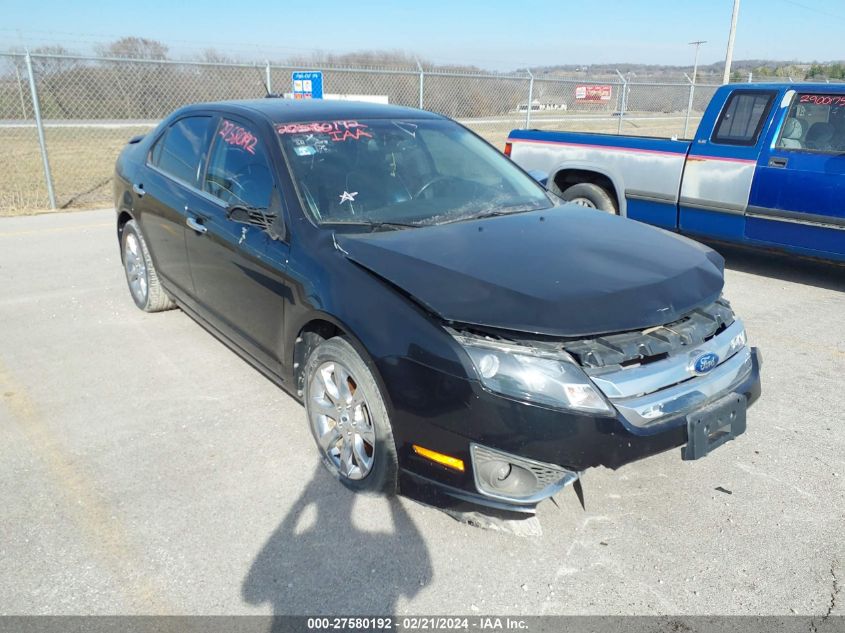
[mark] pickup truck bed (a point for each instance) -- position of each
(766, 169)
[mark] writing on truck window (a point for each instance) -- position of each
(815, 123)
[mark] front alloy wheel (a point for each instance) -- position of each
(340, 418)
(349, 419)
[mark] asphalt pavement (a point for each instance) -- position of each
(145, 468)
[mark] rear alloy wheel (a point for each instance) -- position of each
(348, 418)
(141, 276)
(592, 196)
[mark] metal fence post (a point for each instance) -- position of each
(689, 105)
(422, 82)
(267, 74)
(39, 124)
(622, 101)
(20, 90)
(530, 98)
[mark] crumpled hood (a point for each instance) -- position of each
(566, 271)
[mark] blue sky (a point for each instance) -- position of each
(492, 34)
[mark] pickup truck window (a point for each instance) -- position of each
(742, 118)
(816, 123)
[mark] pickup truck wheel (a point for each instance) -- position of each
(141, 276)
(349, 420)
(592, 196)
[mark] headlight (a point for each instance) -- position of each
(542, 377)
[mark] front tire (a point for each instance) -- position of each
(144, 285)
(586, 194)
(349, 420)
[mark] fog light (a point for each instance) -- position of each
(504, 472)
(510, 477)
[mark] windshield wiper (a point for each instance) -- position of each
(379, 224)
(495, 213)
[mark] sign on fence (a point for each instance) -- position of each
(307, 85)
(593, 93)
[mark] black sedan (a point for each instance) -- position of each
(452, 328)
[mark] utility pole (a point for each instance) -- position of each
(729, 55)
(697, 45)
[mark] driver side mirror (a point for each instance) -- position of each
(254, 216)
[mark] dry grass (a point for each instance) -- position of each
(82, 158)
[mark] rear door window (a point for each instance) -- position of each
(181, 150)
(743, 116)
(238, 168)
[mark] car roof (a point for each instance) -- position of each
(800, 87)
(280, 110)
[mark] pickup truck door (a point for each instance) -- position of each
(238, 269)
(798, 197)
(720, 165)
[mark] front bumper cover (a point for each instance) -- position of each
(574, 441)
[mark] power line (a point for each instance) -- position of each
(814, 9)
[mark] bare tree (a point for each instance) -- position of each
(134, 48)
(53, 71)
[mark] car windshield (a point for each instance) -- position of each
(391, 172)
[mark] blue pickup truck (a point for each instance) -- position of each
(766, 169)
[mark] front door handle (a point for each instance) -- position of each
(777, 161)
(139, 190)
(194, 224)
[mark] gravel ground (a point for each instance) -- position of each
(144, 468)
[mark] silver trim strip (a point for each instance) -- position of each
(795, 217)
(709, 205)
(651, 196)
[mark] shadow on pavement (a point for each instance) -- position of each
(319, 562)
(785, 267)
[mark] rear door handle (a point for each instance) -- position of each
(139, 190)
(194, 224)
(777, 162)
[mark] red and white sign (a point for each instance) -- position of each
(593, 93)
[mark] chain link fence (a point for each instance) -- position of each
(64, 119)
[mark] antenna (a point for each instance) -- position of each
(267, 93)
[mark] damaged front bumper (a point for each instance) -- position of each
(558, 446)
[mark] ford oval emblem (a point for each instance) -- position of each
(704, 363)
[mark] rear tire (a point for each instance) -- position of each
(144, 285)
(586, 194)
(349, 420)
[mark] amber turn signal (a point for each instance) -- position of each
(450, 462)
